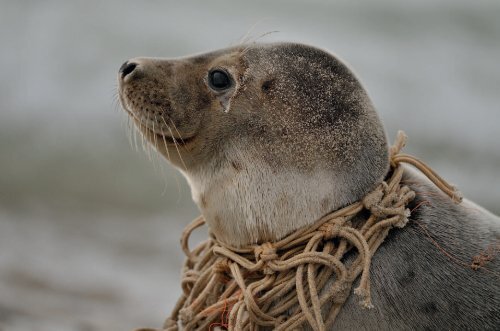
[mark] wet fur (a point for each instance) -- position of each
(297, 137)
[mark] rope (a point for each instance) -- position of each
(286, 284)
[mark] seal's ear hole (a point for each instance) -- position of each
(267, 85)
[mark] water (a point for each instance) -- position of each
(89, 228)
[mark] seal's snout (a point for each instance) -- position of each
(127, 68)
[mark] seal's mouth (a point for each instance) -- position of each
(160, 133)
(171, 140)
(159, 136)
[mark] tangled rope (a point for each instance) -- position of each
(301, 279)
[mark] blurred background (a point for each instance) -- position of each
(89, 227)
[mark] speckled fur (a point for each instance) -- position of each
(297, 137)
(298, 134)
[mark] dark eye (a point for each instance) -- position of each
(219, 80)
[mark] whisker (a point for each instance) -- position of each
(155, 144)
(145, 136)
(168, 155)
(141, 135)
(177, 148)
(158, 155)
(166, 147)
(243, 40)
(115, 99)
(175, 128)
(246, 38)
(250, 44)
(129, 131)
(134, 133)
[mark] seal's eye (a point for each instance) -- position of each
(219, 80)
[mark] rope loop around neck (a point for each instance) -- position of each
(302, 278)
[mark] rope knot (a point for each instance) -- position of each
(373, 199)
(330, 230)
(221, 267)
(266, 253)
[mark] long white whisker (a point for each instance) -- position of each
(116, 99)
(168, 154)
(155, 144)
(134, 132)
(177, 148)
(166, 146)
(250, 44)
(242, 40)
(129, 131)
(246, 36)
(145, 144)
(142, 135)
(175, 128)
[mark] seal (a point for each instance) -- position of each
(271, 137)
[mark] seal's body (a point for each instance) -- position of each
(273, 136)
(421, 277)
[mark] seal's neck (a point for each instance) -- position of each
(247, 203)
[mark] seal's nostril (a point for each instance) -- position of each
(127, 68)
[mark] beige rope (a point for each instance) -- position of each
(289, 283)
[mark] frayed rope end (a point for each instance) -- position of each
(366, 300)
(457, 196)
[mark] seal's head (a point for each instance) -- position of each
(269, 136)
